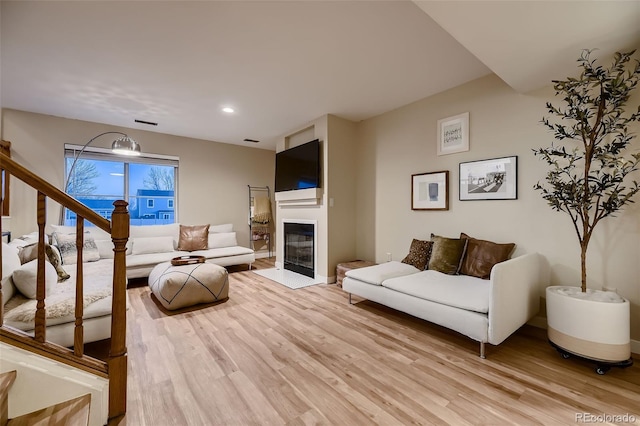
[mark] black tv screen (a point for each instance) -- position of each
(298, 167)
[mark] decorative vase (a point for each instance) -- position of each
(594, 325)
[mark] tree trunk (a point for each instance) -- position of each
(583, 263)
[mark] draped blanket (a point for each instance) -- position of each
(262, 210)
(57, 305)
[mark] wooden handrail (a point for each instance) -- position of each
(52, 192)
(116, 366)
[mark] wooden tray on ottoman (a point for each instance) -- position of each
(187, 260)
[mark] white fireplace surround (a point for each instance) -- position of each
(280, 240)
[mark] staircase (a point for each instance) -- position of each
(74, 412)
(104, 379)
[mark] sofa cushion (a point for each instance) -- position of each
(67, 245)
(419, 254)
(25, 278)
(171, 230)
(482, 255)
(446, 254)
(222, 239)
(214, 253)
(376, 274)
(30, 252)
(193, 237)
(225, 227)
(149, 245)
(136, 260)
(458, 291)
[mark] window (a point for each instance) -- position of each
(100, 177)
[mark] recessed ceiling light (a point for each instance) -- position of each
(228, 110)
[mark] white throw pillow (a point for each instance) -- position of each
(147, 245)
(222, 239)
(67, 245)
(105, 249)
(25, 278)
(214, 229)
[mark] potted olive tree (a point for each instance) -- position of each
(589, 179)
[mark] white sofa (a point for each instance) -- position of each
(487, 311)
(154, 244)
(19, 311)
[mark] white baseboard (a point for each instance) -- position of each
(541, 322)
(41, 382)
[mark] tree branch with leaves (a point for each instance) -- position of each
(589, 172)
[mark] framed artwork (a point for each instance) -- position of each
(494, 179)
(430, 191)
(453, 134)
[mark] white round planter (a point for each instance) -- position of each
(595, 325)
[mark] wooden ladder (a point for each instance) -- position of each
(74, 412)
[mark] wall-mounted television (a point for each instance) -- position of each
(298, 167)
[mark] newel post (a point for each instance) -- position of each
(118, 352)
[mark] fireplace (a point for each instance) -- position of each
(299, 248)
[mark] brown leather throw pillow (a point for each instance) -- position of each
(482, 255)
(194, 237)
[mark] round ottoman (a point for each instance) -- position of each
(187, 285)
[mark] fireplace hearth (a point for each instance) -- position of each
(299, 248)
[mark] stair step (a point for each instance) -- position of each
(74, 412)
(6, 380)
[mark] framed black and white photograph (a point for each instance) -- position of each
(453, 134)
(494, 179)
(430, 191)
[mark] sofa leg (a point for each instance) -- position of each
(482, 350)
(350, 299)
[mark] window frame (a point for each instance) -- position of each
(104, 154)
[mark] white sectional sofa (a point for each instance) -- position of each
(154, 244)
(487, 311)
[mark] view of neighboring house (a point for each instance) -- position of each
(149, 207)
(153, 205)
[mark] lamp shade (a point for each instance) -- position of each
(124, 145)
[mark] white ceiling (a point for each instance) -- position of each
(282, 64)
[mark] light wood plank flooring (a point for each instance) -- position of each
(274, 356)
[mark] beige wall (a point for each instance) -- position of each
(213, 177)
(502, 123)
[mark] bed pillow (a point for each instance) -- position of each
(419, 254)
(482, 255)
(194, 237)
(68, 251)
(222, 239)
(25, 278)
(148, 245)
(447, 254)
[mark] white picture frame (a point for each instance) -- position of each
(453, 134)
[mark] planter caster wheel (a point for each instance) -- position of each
(602, 369)
(563, 354)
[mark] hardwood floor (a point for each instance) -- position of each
(274, 356)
